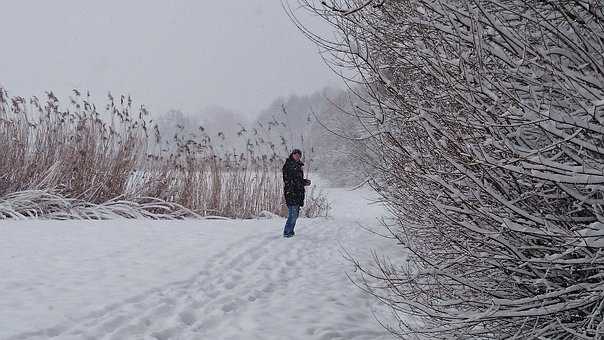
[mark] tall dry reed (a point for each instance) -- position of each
(58, 160)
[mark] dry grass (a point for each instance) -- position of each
(77, 162)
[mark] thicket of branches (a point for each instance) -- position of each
(78, 161)
(488, 121)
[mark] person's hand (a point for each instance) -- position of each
(306, 182)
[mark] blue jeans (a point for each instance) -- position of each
(293, 211)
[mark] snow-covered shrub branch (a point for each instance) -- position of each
(488, 120)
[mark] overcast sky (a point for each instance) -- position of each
(184, 54)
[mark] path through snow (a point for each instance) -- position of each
(189, 280)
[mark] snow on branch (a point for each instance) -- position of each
(489, 153)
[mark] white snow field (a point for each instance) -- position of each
(140, 279)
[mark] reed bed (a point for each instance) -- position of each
(81, 162)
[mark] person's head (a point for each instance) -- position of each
(296, 154)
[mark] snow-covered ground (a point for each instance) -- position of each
(138, 279)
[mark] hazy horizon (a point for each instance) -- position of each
(183, 55)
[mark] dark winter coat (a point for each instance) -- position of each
(294, 182)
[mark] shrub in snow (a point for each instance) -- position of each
(316, 203)
(488, 123)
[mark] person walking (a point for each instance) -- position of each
(293, 187)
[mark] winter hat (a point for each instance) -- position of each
(297, 151)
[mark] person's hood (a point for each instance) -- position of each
(291, 159)
(295, 151)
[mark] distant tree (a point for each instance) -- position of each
(308, 122)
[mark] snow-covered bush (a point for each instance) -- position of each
(488, 120)
(316, 203)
